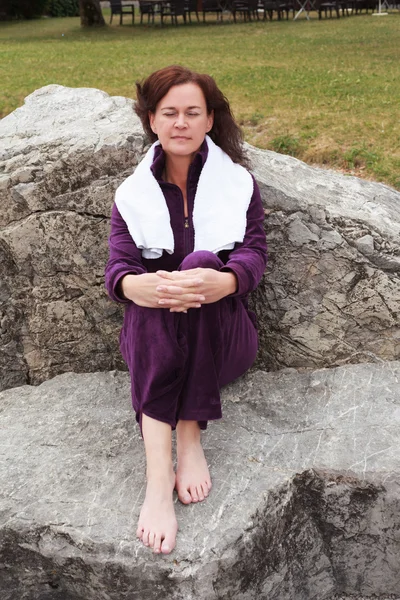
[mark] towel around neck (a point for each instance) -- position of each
(223, 195)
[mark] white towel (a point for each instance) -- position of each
(223, 195)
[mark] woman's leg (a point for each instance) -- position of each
(222, 343)
(157, 526)
(193, 481)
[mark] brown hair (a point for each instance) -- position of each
(225, 132)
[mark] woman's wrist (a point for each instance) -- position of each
(230, 282)
(126, 284)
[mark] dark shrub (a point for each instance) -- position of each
(22, 9)
(63, 8)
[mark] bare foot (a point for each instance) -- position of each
(157, 526)
(193, 482)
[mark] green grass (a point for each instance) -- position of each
(325, 91)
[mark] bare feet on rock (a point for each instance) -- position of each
(193, 482)
(157, 526)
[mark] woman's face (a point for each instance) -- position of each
(181, 120)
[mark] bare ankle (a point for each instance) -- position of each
(188, 432)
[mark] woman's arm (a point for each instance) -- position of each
(249, 258)
(127, 279)
(125, 257)
(239, 276)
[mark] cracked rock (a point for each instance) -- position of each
(63, 154)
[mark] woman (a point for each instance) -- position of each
(187, 246)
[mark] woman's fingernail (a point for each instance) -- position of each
(161, 302)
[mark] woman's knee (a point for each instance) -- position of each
(201, 258)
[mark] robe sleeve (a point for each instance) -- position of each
(248, 259)
(124, 258)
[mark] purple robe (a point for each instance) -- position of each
(179, 361)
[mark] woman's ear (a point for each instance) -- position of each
(152, 123)
(210, 121)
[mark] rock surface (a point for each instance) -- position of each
(305, 502)
(331, 294)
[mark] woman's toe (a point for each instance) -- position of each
(168, 544)
(157, 544)
(194, 494)
(185, 497)
(204, 488)
(145, 537)
(151, 539)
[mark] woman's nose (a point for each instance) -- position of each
(180, 120)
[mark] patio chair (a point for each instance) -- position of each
(211, 6)
(192, 6)
(360, 5)
(247, 8)
(327, 5)
(268, 7)
(287, 6)
(173, 9)
(117, 8)
(149, 9)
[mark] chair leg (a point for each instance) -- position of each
(197, 16)
(111, 18)
(120, 19)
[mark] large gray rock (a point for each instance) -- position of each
(331, 294)
(61, 157)
(305, 501)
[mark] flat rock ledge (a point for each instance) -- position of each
(305, 502)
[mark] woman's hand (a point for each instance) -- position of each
(209, 284)
(147, 290)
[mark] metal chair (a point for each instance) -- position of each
(173, 9)
(211, 6)
(268, 7)
(192, 6)
(117, 8)
(149, 9)
(327, 5)
(247, 8)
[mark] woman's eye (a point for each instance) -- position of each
(193, 114)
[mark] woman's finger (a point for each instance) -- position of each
(170, 289)
(184, 309)
(177, 292)
(172, 275)
(187, 299)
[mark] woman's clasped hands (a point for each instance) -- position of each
(178, 290)
(194, 287)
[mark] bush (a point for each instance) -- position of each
(63, 8)
(23, 9)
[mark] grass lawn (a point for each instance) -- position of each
(325, 91)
